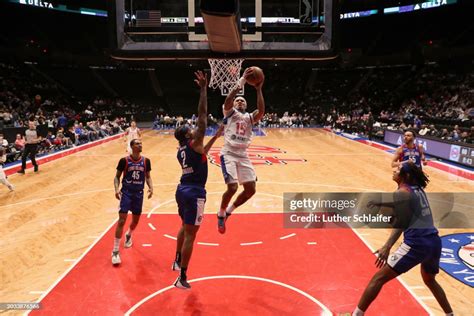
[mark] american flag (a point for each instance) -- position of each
(147, 18)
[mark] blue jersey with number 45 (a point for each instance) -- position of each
(134, 174)
(193, 165)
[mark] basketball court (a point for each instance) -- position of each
(58, 236)
(57, 227)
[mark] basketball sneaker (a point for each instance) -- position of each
(128, 241)
(176, 266)
(181, 283)
(36, 168)
(116, 258)
(221, 222)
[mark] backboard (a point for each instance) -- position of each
(271, 30)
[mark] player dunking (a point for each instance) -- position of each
(133, 132)
(235, 163)
(136, 171)
(421, 242)
(191, 193)
(409, 151)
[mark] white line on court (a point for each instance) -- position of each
(146, 245)
(251, 243)
(207, 243)
(288, 236)
(312, 243)
(170, 237)
(326, 311)
(70, 260)
(75, 263)
(36, 292)
(151, 226)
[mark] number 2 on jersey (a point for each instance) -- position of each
(183, 157)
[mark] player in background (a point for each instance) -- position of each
(235, 163)
(131, 133)
(136, 171)
(409, 151)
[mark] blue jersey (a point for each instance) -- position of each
(134, 173)
(193, 165)
(412, 154)
(421, 223)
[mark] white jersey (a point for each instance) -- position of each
(237, 132)
(133, 134)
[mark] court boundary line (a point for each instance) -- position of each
(326, 310)
(79, 259)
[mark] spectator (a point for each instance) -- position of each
(3, 142)
(19, 142)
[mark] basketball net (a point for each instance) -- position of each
(224, 71)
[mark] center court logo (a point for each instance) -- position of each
(457, 257)
(259, 155)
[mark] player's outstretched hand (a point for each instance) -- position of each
(382, 256)
(201, 79)
(150, 193)
(118, 195)
(220, 130)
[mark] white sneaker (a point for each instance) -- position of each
(128, 241)
(175, 266)
(182, 284)
(116, 258)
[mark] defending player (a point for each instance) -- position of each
(191, 193)
(421, 244)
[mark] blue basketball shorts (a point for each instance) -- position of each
(131, 201)
(191, 201)
(424, 250)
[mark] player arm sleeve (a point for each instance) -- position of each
(121, 165)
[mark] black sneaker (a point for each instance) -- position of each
(221, 224)
(22, 171)
(36, 169)
(181, 283)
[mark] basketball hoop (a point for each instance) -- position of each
(224, 70)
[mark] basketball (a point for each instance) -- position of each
(256, 76)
